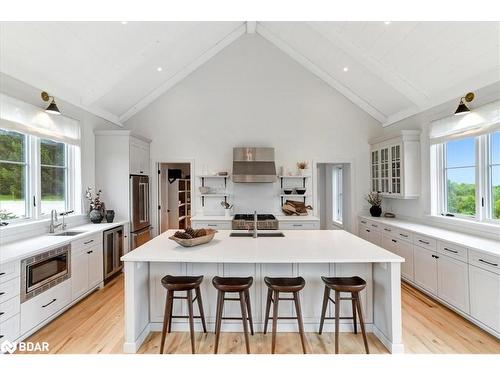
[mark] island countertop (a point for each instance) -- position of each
(304, 246)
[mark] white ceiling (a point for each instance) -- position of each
(394, 70)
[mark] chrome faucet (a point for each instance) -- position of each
(53, 219)
(255, 224)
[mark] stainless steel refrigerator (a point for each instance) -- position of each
(140, 226)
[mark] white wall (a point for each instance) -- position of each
(252, 94)
(88, 122)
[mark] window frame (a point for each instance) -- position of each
(483, 193)
(337, 195)
(33, 198)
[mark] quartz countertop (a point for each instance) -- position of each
(300, 246)
(27, 247)
(230, 218)
(458, 238)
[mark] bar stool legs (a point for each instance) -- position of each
(299, 320)
(200, 308)
(243, 306)
(275, 320)
(362, 322)
(167, 320)
(218, 319)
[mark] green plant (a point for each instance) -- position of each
(374, 198)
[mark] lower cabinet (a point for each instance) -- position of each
(222, 225)
(288, 225)
(453, 282)
(86, 269)
(404, 250)
(370, 235)
(485, 296)
(9, 329)
(425, 262)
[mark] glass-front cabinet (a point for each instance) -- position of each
(395, 165)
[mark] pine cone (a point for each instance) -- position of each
(200, 232)
(191, 232)
(183, 235)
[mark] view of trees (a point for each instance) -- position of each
(462, 199)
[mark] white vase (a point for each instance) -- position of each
(303, 172)
(227, 212)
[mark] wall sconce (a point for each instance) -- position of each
(462, 108)
(52, 108)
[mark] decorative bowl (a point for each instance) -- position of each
(287, 191)
(300, 190)
(197, 240)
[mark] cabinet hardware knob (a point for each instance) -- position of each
(90, 252)
(50, 303)
(2, 293)
(1, 313)
(422, 241)
(87, 242)
(2, 273)
(394, 241)
(368, 230)
(491, 264)
(451, 250)
(403, 235)
(1, 336)
(387, 229)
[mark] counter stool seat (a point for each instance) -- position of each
(181, 283)
(345, 284)
(275, 286)
(352, 285)
(240, 285)
(285, 284)
(186, 284)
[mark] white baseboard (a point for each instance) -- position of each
(393, 348)
(133, 347)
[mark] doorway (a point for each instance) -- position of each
(333, 195)
(174, 196)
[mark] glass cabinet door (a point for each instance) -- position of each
(375, 170)
(384, 170)
(396, 169)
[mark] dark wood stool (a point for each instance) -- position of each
(351, 285)
(178, 284)
(239, 285)
(275, 286)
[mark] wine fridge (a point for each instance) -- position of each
(113, 251)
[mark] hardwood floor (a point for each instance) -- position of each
(95, 325)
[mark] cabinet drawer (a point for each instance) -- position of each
(485, 261)
(452, 250)
(10, 289)
(293, 226)
(212, 225)
(370, 224)
(388, 230)
(425, 242)
(9, 330)
(9, 308)
(43, 306)
(86, 241)
(9, 271)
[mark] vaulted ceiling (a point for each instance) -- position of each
(391, 70)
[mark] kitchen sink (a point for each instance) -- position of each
(67, 233)
(247, 234)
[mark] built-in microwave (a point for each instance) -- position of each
(43, 271)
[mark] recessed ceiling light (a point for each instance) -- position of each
(159, 69)
(387, 22)
(346, 68)
(124, 22)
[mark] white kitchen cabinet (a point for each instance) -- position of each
(425, 263)
(370, 235)
(453, 282)
(222, 225)
(298, 225)
(395, 165)
(139, 156)
(86, 269)
(403, 249)
(485, 296)
(10, 329)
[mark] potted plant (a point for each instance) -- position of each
(375, 200)
(302, 168)
(96, 213)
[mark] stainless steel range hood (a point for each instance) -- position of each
(254, 164)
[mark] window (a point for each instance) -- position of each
(460, 177)
(468, 178)
(337, 195)
(494, 175)
(13, 176)
(53, 171)
(35, 176)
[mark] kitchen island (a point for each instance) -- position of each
(308, 253)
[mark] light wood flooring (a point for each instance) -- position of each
(95, 325)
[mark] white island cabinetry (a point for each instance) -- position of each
(462, 271)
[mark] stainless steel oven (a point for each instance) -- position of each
(43, 271)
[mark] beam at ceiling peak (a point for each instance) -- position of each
(251, 27)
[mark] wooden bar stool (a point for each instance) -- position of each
(275, 286)
(178, 284)
(239, 285)
(351, 285)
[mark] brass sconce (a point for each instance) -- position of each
(52, 108)
(462, 108)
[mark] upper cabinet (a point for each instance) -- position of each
(139, 156)
(395, 165)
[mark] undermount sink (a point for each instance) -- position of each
(248, 234)
(67, 233)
